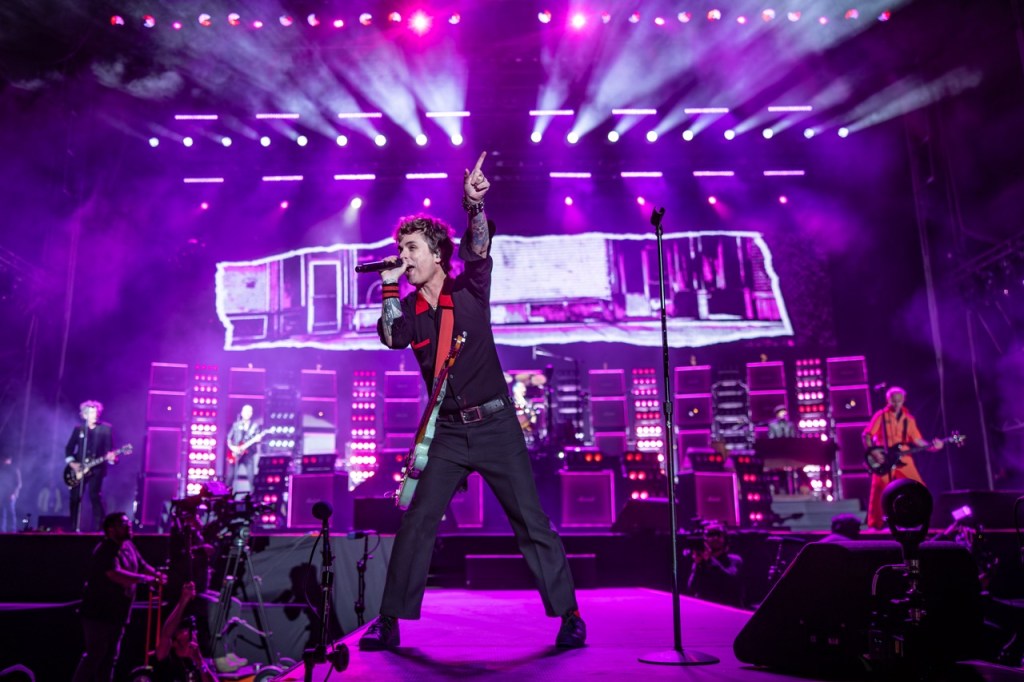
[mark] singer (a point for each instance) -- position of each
(477, 428)
(89, 440)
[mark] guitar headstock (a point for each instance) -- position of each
(956, 438)
(456, 348)
(127, 449)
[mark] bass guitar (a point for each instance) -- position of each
(235, 451)
(882, 461)
(416, 460)
(73, 478)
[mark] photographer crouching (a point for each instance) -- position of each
(715, 575)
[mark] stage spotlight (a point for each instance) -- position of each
(885, 16)
(342, 140)
(420, 22)
(395, 17)
(356, 203)
(536, 136)
(284, 204)
(767, 133)
(634, 18)
(659, 21)
(234, 19)
(226, 141)
(568, 201)
(767, 15)
(714, 15)
(613, 136)
(605, 17)
(421, 139)
(154, 142)
(365, 18)
(688, 135)
(641, 201)
(712, 200)
(652, 136)
(265, 141)
(176, 25)
(187, 141)
(117, 20)
(572, 138)
(454, 19)
(302, 140)
(426, 202)
(843, 132)
(809, 133)
(204, 205)
(149, 21)
(313, 20)
(338, 23)
(729, 134)
(822, 20)
(286, 20)
(783, 199)
(380, 140)
(457, 139)
(578, 21)
(684, 17)
(793, 16)
(257, 24)
(851, 14)
(544, 17)
(205, 20)
(741, 19)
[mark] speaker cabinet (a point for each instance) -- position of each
(851, 446)
(305, 490)
(816, 620)
(468, 506)
(163, 450)
(709, 495)
(157, 493)
(165, 407)
(856, 487)
(588, 499)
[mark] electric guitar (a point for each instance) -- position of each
(416, 460)
(73, 478)
(235, 451)
(882, 461)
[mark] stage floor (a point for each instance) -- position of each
(504, 635)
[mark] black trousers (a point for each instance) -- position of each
(92, 488)
(495, 448)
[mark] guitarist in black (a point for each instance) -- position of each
(476, 429)
(893, 426)
(89, 440)
(243, 442)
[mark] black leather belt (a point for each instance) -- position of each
(475, 414)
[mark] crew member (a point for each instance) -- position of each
(477, 428)
(781, 427)
(715, 574)
(178, 658)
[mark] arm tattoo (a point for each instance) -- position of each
(480, 234)
(391, 311)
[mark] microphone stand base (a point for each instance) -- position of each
(678, 657)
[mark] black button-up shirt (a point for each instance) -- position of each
(476, 376)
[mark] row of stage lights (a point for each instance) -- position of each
(356, 203)
(457, 139)
(420, 22)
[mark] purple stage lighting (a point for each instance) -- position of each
(117, 20)
(568, 201)
(284, 204)
(365, 18)
(355, 176)
(741, 19)
(572, 137)
(713, 174)
(257, 24)
(282, 178)
(843, 132)
(426, 202)
(149, 21)
(712, 200)
(729, 134)
(342, 140)
(395, 17)
(652, 136)
(783, 199)
(426, 176)
(544, 17)
(203, 181)
(204, 206)
(302, 140)
(687, 135)
(613, 136)
(851, 14)
(578, 21)
(356, 203)
(809, 133)
(338, 23)
(380, 140)
(456, 139)
(684, 17)
(783, 173)
(313, 20)
(421, 140)
(286, 20)
(187, 141)
(154, 142)
(226, 141)
(176, 25)
(641, 201)
(265, 141)
(634, 18)
(454, 19)
(659, 21)
(195, 117)
(767, 133)
(641, 174)
(885, 16)
(793, 16)
(767, 15)
(345, 115)
(234, 19)
(420, 22)
(714, 15)
(205, 20)
(536, 136)
(572, 175)
(606, 17)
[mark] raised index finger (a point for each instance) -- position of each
(480, 162)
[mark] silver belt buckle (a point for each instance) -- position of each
(472, 414)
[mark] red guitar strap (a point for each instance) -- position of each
(444, 336)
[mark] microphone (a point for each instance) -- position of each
(378, 266)
(879, 387)
(359, 534)
(322, 511)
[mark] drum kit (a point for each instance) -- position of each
(533, 403)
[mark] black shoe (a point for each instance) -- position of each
(573, 633)
(382, 634)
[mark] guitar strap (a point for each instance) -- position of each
(444, 336)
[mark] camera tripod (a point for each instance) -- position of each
(239, 558)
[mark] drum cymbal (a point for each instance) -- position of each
(523, 377)
(538, 380)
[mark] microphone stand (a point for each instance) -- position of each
(318, 654)
(360, 604)
(676, 655)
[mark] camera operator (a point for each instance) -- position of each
(178, 656)
(715, 575)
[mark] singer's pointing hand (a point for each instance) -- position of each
(474, 183)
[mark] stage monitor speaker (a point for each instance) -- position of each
(817, 618)
(645, 516)
(305, 490)
(376, 513)
(709, 495)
